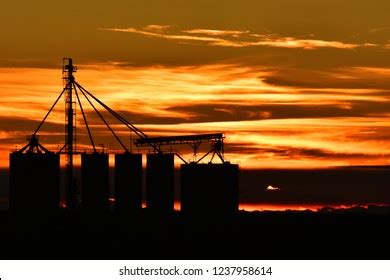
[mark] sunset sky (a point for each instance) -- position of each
(291, 83)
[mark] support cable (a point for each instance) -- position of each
(115, 114)
(85, 119)
(63, 147)
(48, 113)
(108, 126)
(118, 116)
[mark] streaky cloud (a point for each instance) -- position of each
(156, 28)
(216, 32)
(238, 39)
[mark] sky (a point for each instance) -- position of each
(298, 84)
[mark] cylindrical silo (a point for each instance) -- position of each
(95, 183)
(160, 183)
(34, 183)
(128, 183)
(209, 189)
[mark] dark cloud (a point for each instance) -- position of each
(224, 112)
(134, 118)
(351, 78)
(221, 112)
(369, 134)
(285, 152)
(10, 124)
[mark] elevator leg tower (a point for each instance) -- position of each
(70, 132)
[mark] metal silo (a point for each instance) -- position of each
(34, 183)
(128, 183)
(160, 183)
(209, 189)
(95, 183)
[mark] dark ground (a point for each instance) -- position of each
(330, 234)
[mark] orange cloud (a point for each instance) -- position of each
(238, 39)
(156, 28)
(163, 36)
(288, 42)
(266, 125)
(215, 32)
